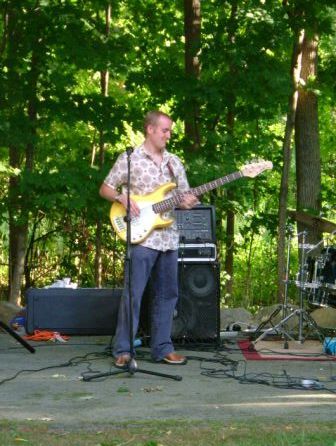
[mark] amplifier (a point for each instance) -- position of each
(196, 252)
(197, 224)
(81, 311)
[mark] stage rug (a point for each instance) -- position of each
(274, 350)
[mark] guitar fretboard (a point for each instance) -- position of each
(175, 200)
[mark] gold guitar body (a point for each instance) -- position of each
(148, 220)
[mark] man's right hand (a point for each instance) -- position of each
(134, 208)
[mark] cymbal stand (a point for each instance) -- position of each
(302, 315)
(280, 327)
(285, 333)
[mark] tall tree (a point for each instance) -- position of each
(20, 21)
(287, 143)
(192, 30)
(104, 88)
(230, 121)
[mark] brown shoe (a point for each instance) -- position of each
(122, 361)
(175, 358)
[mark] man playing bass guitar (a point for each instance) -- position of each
(155, 251)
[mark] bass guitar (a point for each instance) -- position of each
(153, 205)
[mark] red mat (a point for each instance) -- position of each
(274, 350)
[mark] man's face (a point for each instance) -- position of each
(160, 133)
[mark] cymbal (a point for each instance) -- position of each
(317, 223)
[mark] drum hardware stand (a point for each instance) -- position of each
(131, 367)
(17, 337)
(283, 307)
(299, 312)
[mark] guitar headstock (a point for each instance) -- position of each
(253, 169)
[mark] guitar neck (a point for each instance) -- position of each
(175, 200)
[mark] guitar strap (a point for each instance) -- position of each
(171, 170)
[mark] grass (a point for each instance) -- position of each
(171, 433)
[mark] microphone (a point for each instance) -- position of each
(129, 150)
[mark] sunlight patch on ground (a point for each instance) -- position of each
(265, 404)
(305, 396)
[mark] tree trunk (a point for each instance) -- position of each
(17, 232)
(229, 244)
(104, 85)
(192, 30)
(18, 212)
(230, 217)
(308, 164)
(286, 150)
(230, 122)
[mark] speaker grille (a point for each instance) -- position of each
(198, 281)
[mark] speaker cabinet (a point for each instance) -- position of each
(82, 311)
(197, 315)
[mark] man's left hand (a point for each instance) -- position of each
(188, 201)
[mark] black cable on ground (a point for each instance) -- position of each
(73, 362)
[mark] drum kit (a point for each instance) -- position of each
(316, 282)
(317, 276)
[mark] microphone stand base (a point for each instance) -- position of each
(131, 368)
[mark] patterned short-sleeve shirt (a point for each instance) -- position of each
(145, 177)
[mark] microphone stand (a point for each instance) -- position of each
(131, 367)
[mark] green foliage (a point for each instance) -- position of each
(52, 108)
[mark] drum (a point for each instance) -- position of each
(311, 283)
(328, 274)
(314, 270)
(317, 297)
(330, 298)
(321, 278)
